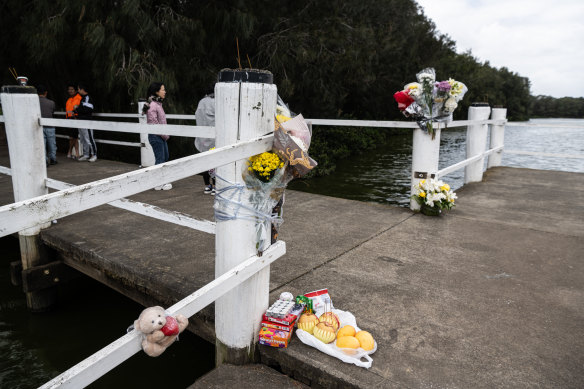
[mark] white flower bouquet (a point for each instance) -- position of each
(429, 101)
(434, 196)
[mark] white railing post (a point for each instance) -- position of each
(425, 154)
(26, 147)
(476, 141)
(497, 137)
(244, 110)
(146, 152)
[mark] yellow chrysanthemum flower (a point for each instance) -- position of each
(265, 164)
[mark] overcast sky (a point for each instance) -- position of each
(539, 39)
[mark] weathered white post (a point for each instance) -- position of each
(244, 110)
(146, 152)
(497, 137)
(425, 154)
(476, 141)
(26, 148)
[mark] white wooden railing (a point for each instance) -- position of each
(232, 270)
(244, 123)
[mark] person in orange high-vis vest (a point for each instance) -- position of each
(72, 104)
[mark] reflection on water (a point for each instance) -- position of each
(383, 175)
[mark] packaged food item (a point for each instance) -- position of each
(289, 319)
(274, 337)
(280, 308)
(321, 301)
(277, 326)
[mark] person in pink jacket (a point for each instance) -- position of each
(155, 115)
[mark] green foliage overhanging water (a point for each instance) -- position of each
(329, 61)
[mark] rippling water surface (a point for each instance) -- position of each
(383, 175)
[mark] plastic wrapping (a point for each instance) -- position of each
(258, 206)
(265, 192)
(294, 149)
(354, 356)
(429, 101)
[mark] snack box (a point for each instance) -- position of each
(287, 320)
(274, 338)
(277, 326)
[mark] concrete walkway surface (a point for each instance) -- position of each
(489, 295)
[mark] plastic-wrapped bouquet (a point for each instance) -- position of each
(433, 196)
(267, 174)
(429, 101)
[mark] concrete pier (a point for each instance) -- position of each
(489, 295)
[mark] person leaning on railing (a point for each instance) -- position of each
(155, 115)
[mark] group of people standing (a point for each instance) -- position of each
(78, 106)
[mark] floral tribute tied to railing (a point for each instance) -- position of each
(429, 101)
(266, 177)
(434, 196)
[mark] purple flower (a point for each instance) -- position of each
(443, 86)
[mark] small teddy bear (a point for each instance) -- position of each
(159, 329)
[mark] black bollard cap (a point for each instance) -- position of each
(246, 75)
(479, 105)
(17, 89)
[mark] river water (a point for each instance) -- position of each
(36, 347)
(382, 175)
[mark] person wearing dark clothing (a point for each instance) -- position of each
(47, 111)
(84, 112)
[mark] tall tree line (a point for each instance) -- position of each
(341, 59)
(550, 107)
(337, 59)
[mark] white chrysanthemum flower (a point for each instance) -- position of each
(414, 89)
(450, 105)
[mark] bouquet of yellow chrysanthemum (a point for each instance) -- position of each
(264, 165)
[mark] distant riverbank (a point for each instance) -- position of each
(383, 174)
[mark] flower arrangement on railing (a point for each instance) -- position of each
(429, 101)
(268, 174)
(433, 196)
